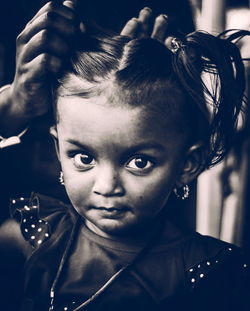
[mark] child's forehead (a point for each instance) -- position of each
(159, 100)
(102, 120)
(142, 107)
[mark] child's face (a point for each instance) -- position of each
(120, 163)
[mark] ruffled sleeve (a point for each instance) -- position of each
(39, 217)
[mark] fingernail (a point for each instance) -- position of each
(147, 8)
(70, 4)
(164, 16)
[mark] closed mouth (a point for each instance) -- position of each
(111, 209)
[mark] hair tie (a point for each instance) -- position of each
(174, 44)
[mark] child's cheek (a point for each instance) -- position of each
(150, 198)
(78, 190)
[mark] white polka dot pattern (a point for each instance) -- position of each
(34, 229)
(198, 272)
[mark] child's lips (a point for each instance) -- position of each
(111, 210)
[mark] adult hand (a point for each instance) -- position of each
(146, 26)
(42, 48)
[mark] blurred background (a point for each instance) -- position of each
(223, 206)
(219, 204)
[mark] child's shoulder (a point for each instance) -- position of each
(198, 248)
(203, 257)
(204, 254)
(210, 263)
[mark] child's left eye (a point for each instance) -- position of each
(84, 161)
(140, 164)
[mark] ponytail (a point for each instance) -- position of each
(199, 57)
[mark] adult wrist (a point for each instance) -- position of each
(12, 121)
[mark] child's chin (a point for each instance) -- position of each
(110, 227)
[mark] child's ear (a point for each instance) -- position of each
(53, 133)
(193, 164)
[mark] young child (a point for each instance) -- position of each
(136, 120)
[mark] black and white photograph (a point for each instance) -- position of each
(125, 155)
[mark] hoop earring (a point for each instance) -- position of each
(61, 180)
(185, 192)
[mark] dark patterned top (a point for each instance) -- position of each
(185, 271)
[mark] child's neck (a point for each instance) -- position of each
(137, 236)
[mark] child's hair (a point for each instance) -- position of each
(202, 82)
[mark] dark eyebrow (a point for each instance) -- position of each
(79, 145)
(146, 145)
(74, 142)
(130, 149)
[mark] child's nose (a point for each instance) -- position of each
(107, 182)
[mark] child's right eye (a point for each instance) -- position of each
(83, 161)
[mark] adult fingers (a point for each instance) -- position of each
(44, 42)
(131, 28)
(64, 10)
(160, 28)
(145, 18)
(48, 20)
(41, 65)
(32, 84)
